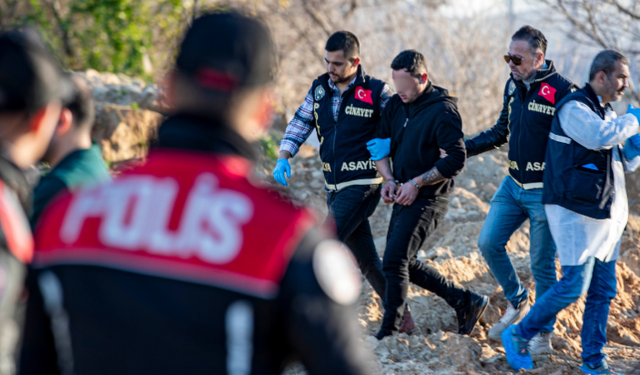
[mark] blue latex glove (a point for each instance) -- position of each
(632, 146)
(282, 167)
(379, 148)
(634, 111)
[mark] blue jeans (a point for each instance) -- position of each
(599, 278)
(349, 209)
(510, 207)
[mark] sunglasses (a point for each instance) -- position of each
(516, 60)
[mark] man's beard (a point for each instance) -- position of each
(521, 77)
(340, 80)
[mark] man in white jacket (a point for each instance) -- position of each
(586, 204)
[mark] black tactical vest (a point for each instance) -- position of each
(343, 148)
(567, 182)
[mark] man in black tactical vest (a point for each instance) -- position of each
(586, 202)
(344, 106)
(529, 101)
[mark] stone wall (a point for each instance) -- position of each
(127, 114)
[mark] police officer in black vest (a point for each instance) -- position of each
(344, 107)
(529, 104)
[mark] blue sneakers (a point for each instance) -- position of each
(516, 349)
(600, 370)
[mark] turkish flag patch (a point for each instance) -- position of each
(548, 93)
(364, 95)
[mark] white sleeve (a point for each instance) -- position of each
(584, 126)
(630, 165)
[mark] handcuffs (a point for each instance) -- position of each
(398, 184)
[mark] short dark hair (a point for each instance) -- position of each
(605, 61)
(412, 61)
(345, 41)
(214, 75)
(536, 39)
(80, 102)
(29, 76)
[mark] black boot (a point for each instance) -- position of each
(472, 311)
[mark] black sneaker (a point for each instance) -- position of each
(469, 314)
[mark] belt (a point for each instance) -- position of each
(364, 181)
(529, 186)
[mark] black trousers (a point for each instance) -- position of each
(408, 229)
(350, 208)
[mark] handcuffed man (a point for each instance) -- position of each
(421, 119)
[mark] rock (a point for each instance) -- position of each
(631, 258)
(489, 188)
(455, 202)
(316, 184)
(123, 132)
(471, 184)
(431, 254)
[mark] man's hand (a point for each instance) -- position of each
(407, 194)
(632, 147)
(282, 167)
(443, 153)
(388, 191)
(379, 148)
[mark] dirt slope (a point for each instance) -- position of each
(434, 348)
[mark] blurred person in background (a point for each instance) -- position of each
(74, 160)
(30, 92)
(182, 265)
(586, 202)
(529, 104)
(344, 107)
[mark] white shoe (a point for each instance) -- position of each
(512, 316)
(540, 343)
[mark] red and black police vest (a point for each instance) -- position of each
(182, 215)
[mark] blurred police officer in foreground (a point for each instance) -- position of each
(30, 92)
(182, 265)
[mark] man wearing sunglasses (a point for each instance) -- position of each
(344, 107)
(530, 96)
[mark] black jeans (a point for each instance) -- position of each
(408, 228)
(350, 208)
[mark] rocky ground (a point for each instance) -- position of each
(434, 348)
(128, 114)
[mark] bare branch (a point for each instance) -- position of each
(64, 29)
(626, 11)
(317, 17)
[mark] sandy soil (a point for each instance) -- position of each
(434, 348)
